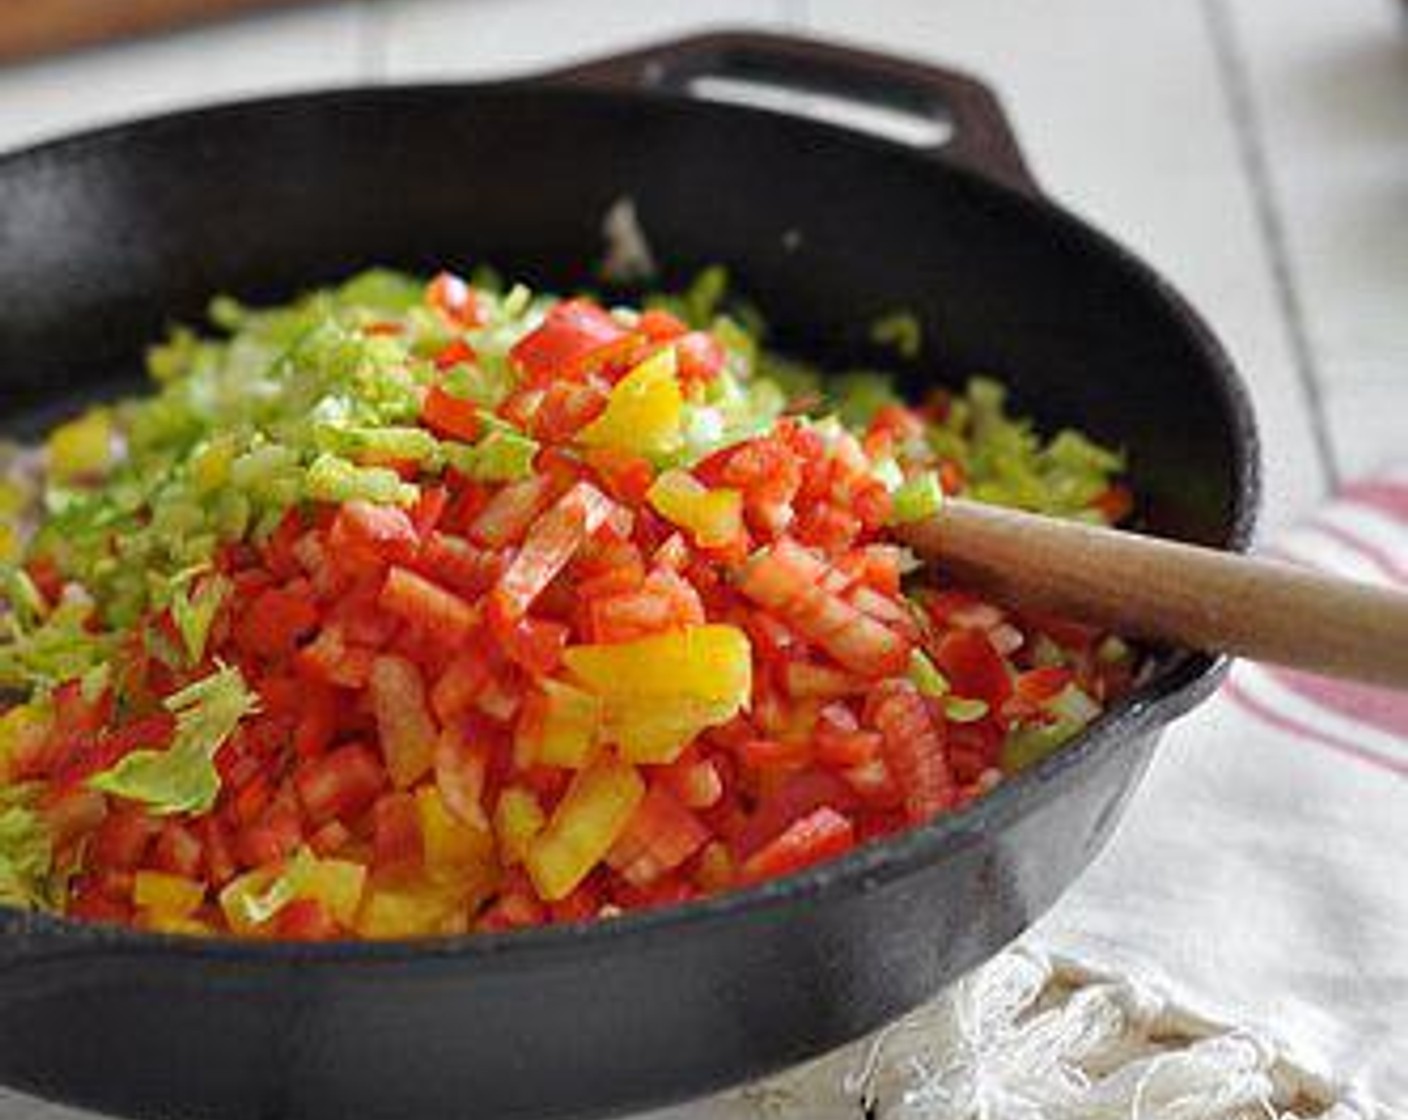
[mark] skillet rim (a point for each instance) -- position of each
(1182, 681)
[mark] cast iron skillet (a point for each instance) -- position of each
(106, 237)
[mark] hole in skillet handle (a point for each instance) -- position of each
(934, 110)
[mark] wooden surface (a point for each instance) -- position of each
(1141, 586)
(36, 27)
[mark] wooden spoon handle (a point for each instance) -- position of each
(31, 27)
(1178, 593)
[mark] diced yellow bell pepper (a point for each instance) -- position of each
(591, 815)
(187, 926)
(715, 869)
(23, 730)
(251, 901)
(457, 854)
(712, 517)
(13, 498)
(167, 896)
(239, 900)
(210, 466)
(645, 411)
(419, 908)
(82, 448)
(660, 692)
(571, 723)
(336, 883)
(518, 818)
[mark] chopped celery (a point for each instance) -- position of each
(917, 498)
(193, 612)
(392, 442)
(182, 777)
(331, 479)
(926, 676)
(964, 709)
(501, 456)
(380, 290)
(859, 395)
(900, 330)
(26, 851)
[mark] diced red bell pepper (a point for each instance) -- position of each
(450, 417)
(453, 298)
(509, 512)
(278, 551)
(660, 326)
(91, 905)
(453, 353)
(271, 625)
(317, 720)
(1042, 685)
(575, 337)
(272, 838)
(72, 813)
(565, 409)
(372, 534)
(796, 797)
(331, 659)
(123, 839)
(216, 849)
(765, 754)
(535, 644)
(973, 667)
(429, 508)
(822, 834)
(441, 615)
(790, 581)
(551, 542)
(178, 851)
(694, 782)
(660, 836)
(306, 919)
(913, 748)
(461, 772)
(459, 685)
(459, 565)
(44, 573)
(1114, 503)
(397, 847)
(626, 476)
(341, 784)
(700, 356)
(330, 839)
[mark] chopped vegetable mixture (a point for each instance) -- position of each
(416, 609)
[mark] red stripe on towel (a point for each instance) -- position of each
(1379, 708)
(1381, 494)
(1292, 726)
(1381, 558)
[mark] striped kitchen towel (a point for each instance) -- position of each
(1364, 535)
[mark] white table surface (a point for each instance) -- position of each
(1256, 151)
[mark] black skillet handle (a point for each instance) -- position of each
(956, 116)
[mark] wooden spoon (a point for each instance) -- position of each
(1147, 587)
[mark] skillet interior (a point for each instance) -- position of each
(105, 238)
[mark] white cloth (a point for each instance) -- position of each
(1028, 1038)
